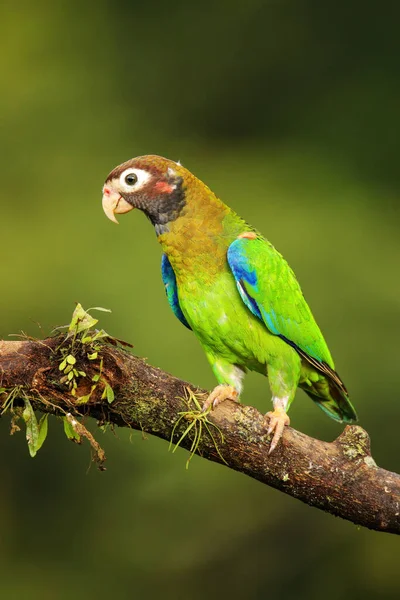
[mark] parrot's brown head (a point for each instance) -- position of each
(153, 184)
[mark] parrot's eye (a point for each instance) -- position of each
(131, 179)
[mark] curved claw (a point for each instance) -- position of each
(220, 394)
(278, 420)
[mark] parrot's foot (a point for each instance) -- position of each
(220, 394)
(278, 419)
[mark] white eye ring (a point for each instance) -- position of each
(142, 177)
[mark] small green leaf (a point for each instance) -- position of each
(68, 368)
(99, 335)
(82, 373)
(92, 356)
(69, 429)
(86, 340)
(32, 428)
(71, 360)
(62, 365)
(110, 394)
(70, 375)
(96, 377)
(81, 321)
(83, 399)
(43, 428)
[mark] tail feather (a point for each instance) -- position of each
(330, 393)
(337, 404)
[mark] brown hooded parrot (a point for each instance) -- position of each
(229, 285)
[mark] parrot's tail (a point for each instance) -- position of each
(330, 393)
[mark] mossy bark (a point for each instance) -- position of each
(340, 477)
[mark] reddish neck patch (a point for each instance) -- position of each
(164, 187)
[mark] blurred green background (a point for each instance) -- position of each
(290, 112)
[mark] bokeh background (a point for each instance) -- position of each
(290, 112)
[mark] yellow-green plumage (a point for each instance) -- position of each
(238, 294)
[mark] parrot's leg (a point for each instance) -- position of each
(283, 376)
(278, 419)
(229, 378)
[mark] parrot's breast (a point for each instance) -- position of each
(223, 324)
(196, 245)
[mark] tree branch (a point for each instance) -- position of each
(339, 477)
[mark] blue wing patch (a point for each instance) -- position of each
(171, 289)
(247, 284)
(243, 273)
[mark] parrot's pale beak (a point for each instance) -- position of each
(113, 203)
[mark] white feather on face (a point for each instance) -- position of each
(133, 180)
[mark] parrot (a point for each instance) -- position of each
(233, 289)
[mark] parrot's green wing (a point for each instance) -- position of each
(269, 288)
